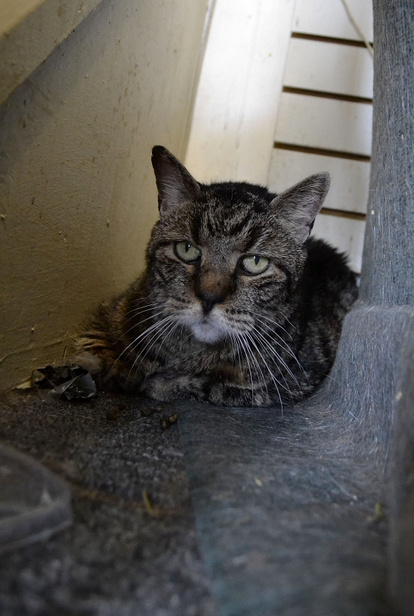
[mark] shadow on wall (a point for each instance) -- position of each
(78, 197)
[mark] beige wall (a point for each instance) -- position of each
(77, 195)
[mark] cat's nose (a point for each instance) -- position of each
(209, 300)
(212, 287)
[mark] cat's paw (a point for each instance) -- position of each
(167, 387)
(89, 361)
(222, 394)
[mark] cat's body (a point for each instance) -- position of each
(237, 306)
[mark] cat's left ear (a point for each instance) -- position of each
(299, 205)
(175, 184)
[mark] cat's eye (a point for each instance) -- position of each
(254, 264)
(187, 252)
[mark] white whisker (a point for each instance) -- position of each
(279, 359)
(280, 342)
(140, 310)
(152, 316)
(249, 353)
(166, 326)
(250, 338)
(276, 324)
(143, 334)
(275, 380)
(245, 348)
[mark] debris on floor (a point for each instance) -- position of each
(64, 382)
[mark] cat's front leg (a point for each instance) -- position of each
(225, 394)
(221, 388)
(167, 387)
(228, 386)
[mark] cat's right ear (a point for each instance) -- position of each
(299, 205)
(175, 184)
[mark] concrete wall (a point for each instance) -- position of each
(77, 195)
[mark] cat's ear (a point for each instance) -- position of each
(175, 184)
(299, 205)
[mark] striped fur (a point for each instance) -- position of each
(207, 327)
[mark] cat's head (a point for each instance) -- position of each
(225, 256)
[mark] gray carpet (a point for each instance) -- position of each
(290, 510)
(291, 522)
(124, 554)
(286, 527)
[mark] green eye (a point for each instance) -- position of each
(254, 264)
(187, 252)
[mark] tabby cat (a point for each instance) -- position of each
(237, 306)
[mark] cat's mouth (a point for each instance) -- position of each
(208, 330)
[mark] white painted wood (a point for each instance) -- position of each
(329, 67)
(349, 178)
(324, 123)
(239, 101)
(240, 85)
(343, 233)
(329, 18)
(30, 30)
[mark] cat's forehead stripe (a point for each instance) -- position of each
(241, 226)
(240, 222)
(195, 226)
(228, 223)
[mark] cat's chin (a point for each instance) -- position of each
(207, 332)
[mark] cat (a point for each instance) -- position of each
(237, 306)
